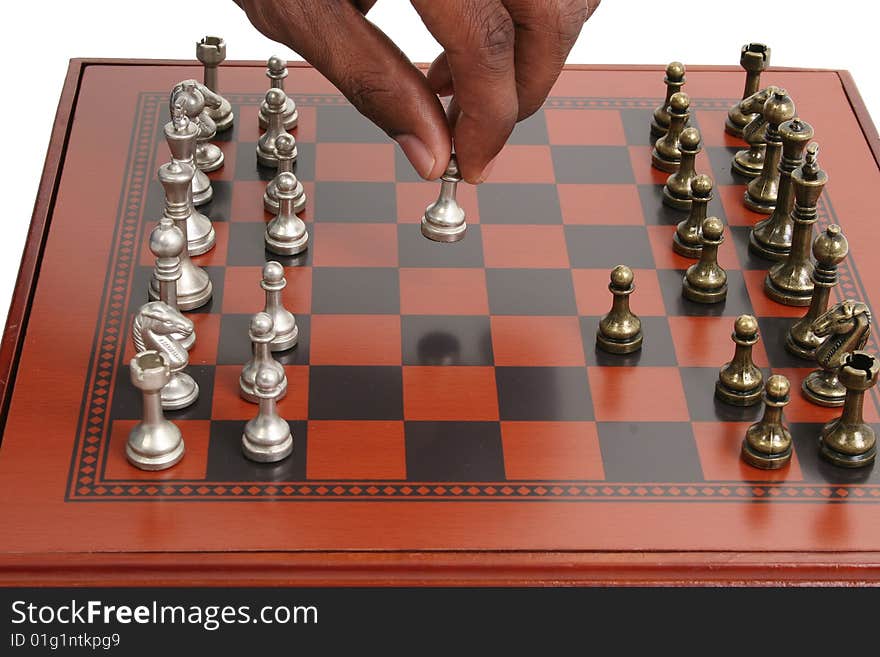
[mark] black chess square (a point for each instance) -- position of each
(446, 340)
(530, 292)
(154, 202)
(226, 462)
(355, 392)
(344, 124)
(739, 235)
(637, 126)
(304, 167)
(520, 203)
(454, 451)
(543, 393)
(737, 301)
(247, 247)
(657, 213)
(721, 160)
(703, 406)
(416, 250)
(128, 405)
(815, 469)
(235, 346)
(403, 170)
(649, 451)
(352, 290)
(532, 130)
(592, 164)
(773, 331)
(657, 345)
(220, 206)
(246, 167)
(601, 247)
(355, 201)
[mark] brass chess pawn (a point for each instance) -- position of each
(154, 443)
(771, 238)
(829, 250)
(666, 155)
(762, 192)
(849, 441)
(750, 161)
(620, 331)
(687, 239)
(739, 381)
(674, 82)
(790, 282)
(754, 58)
(767, 444)
(843, 329)
(705, 281)
(677, 190)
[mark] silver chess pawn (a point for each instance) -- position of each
(180, 135)
(285, 150)
(211, 51)
(267, 437)
(181, 138)
(194, 288)
(444, 219)
(276, 71)
(262, 332)
(166, 244)
(155, 328)
(286, 330)
(154, 443)
(266, 153)
(286, 234)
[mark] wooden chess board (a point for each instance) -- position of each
(453, 422)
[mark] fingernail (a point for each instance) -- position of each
(488, 170)
(417, 153)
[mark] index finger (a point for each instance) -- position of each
(478, 38)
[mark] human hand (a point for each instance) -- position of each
(500, 58)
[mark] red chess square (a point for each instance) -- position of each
(593, 297)
(306, 129)
(248, 127)
(242, 293)
(354, 245)
(665, 258)
(356, 450)
(585, 127)
(227, 171)
(551, 451)
(526, 164)
(540, 247)
(354, 162)
(645, 173)
(204, 352)
(544, 341)
(229, 405)
(763, 305)
(355, 340)
(801, 409)
(193, 465)
(247, 201)
(731, 197)
(649, 394)
(450, 393)
(712, 129)
(216, 257)
(443, 291)
(719, 445)
(600, 204)
(414, 197)
(699, 342)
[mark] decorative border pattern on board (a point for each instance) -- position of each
(109, 344)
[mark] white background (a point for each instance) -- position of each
(38, 38)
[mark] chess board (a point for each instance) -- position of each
(452, 419)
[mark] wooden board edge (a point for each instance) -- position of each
(471, 569)
(25, 283)
(869, 129)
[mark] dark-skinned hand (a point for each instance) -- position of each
(500, 58)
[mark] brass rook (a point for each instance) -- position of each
(848, 441)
